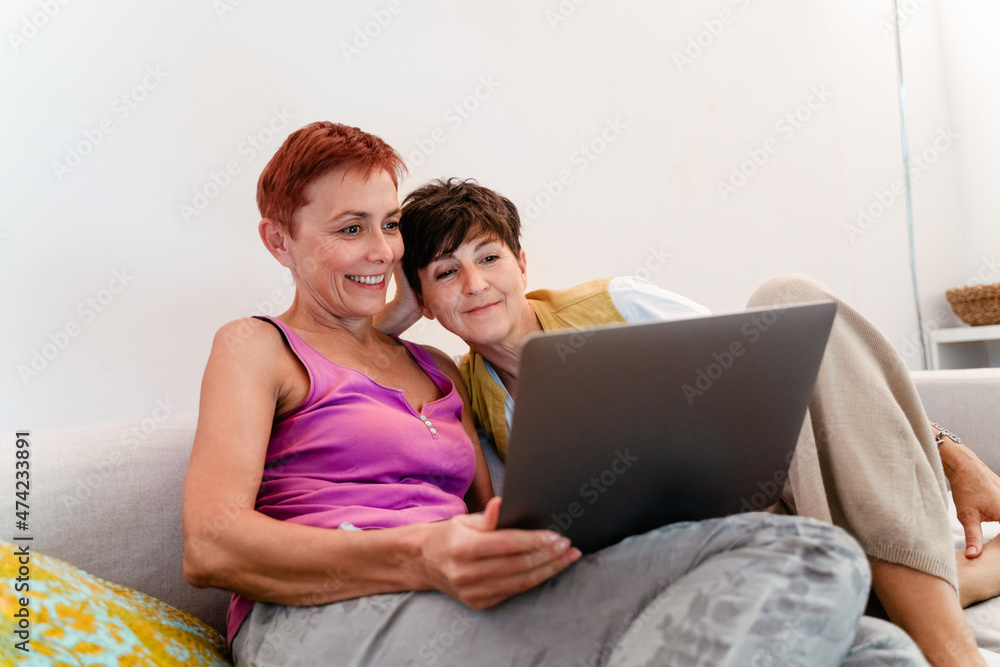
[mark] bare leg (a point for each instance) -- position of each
(885, 486)
(928, 609)
(979, 578)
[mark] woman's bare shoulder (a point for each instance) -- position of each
(253, 351)
(247, 335)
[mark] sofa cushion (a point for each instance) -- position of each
(74, 618)
(967, 401)
(107, 498)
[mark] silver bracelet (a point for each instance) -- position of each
(944, 433)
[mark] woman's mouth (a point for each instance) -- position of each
(368, 280)
(480, 309)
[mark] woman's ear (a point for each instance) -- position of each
(275, 238)
(424, 310)
(522, 263)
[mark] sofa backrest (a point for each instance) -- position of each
(107, 499)
(966, 401)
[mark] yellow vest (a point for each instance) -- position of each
(578, 307)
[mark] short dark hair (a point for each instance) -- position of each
(440, 216)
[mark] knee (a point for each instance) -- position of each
(829, 547)
(825, 551)
(789, 288)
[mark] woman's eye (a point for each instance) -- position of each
(392, 225)
(351, 229)
(445, 273)
(491, 258)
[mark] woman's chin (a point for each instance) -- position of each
(363, 308)
(482, 337)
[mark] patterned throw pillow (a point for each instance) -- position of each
(77, 619)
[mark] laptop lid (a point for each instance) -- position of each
(621, 429)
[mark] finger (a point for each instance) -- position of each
(487, 519)
(973, 535)
(508, 542)
(486, 544)
(492, 513)
(517, 563)
(496, 588)
(402, 282)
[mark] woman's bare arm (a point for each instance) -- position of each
(228, 544)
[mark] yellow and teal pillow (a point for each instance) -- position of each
(77, 619)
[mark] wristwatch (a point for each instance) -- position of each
(944, 433)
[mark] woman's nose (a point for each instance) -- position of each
(474, 281)
(380, 249)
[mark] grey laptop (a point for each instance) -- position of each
(622, 429)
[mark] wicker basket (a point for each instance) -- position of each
(978, 305)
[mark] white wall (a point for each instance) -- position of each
(971, 56)
(951, 68)
(951, 64)
(223, 77)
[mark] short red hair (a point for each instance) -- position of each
(313, 151)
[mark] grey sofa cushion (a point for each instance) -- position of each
(967, 401)
(107, 499)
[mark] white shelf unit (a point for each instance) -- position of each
(968, 347)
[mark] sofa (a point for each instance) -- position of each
(106, 499)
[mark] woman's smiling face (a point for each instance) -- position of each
(346, 242)
(476, 292)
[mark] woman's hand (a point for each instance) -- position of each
(404, 309)
(468, 559)
(975, 489)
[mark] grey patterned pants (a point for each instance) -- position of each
(752, 589)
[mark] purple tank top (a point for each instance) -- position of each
(355, 452)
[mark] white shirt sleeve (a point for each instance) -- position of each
(639, 300)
